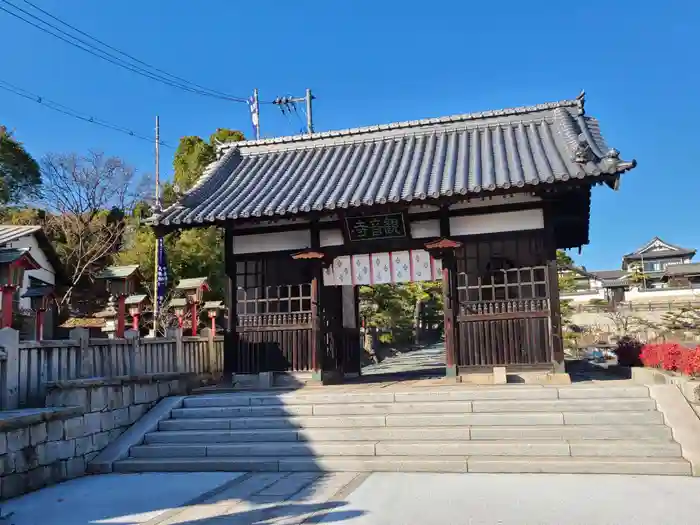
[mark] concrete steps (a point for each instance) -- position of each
(489, 429)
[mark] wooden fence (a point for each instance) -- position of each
(27, 366)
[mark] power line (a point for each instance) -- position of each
(60, 108)
(87, 46)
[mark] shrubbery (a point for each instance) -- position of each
(672, 357)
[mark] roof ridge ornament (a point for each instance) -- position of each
(581, 102)
(583, 152)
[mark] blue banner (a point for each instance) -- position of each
(162, 275)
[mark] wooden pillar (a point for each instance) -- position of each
(121, 315)
(449, 296)
(317, 347)
(444, 249)
(556, 337)
(231, 335)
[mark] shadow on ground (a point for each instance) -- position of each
(204, 497)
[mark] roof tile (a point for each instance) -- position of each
(402, 162)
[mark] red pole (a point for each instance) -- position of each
(180, 321)
(135, 322)
(213, 325)
(121, 315)
(7, 293)
(195, 319)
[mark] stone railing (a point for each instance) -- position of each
(43, 446)
(26, 367)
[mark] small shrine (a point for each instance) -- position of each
(13, 263)
(193, 290)
(121, 282)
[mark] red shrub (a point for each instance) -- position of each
(672, 357)
(690, 362)
(651, 355)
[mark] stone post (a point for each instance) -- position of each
(179, 348)
(211, 355)
(136, 364)
(9, 341)
(82, 338)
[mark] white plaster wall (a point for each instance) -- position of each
(518, 198)
(659, 294)
(497, 222)
(584, 298)
(424, 229)
(331, 237)
(272, 242)
(46, 273)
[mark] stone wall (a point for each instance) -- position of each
(39, 447)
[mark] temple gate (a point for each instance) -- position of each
(480, 201)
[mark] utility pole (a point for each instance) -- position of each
(287, 101)
(255, 114)
(309, 118)
(156, 206)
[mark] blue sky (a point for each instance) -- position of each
(372, 62)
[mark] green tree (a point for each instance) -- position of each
(190, 253)
(20, 177)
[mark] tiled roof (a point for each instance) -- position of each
(135, 299)
(675, 270)
(673, 250)
(610, 274)
(192, 283)
(408, 161)
(12, 232)
(10, 255)
(38, 291)
(118, 272)
(213, 305)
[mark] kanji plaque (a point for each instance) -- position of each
(376, 227)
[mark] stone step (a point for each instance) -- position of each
(589, 448)
(418, 420)
(558, 464)
(442, 407)
(580, 432)
(512, 392)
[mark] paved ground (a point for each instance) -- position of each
(357, 499)
(424, 360)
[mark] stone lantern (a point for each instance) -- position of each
(193, 290)
(136, 303)
(212, 308)
(110, 315)
(13, 263)
(122, 282)
(40, 298)
(179, 306)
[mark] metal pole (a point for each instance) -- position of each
(157, 251)
(309, 118)
(257, 113)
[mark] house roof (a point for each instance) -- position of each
(677, 270)
(118, 272)
(192, 283)
(39, 291)
(658, 248)
(606, 275)
(419, 160)
(135, 299)
(10, 255)
(13, 232)
(608, 278)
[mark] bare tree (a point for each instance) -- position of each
(87, 198)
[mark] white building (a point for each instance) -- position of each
(49, 273)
